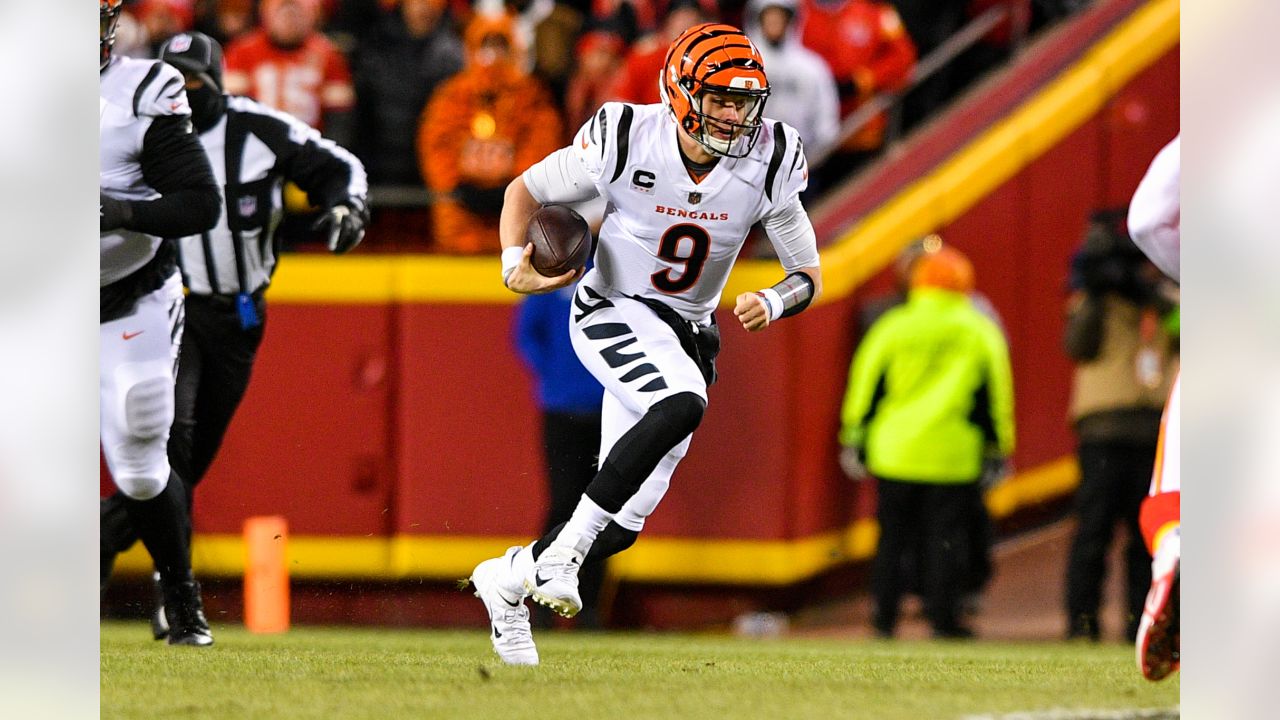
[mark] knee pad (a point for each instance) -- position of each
(639, 451)
(142, 487)
(148, 408)
(682, 412)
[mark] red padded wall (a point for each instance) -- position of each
(466, 429)
(312, 439)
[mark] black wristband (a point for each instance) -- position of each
(796, 291)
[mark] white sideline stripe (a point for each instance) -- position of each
(1084, 714)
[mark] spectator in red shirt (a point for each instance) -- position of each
(638, 81)
(629, 19)
(225, 20)
(287, 64)
(868, 50)
(599, 54)
(162, 19)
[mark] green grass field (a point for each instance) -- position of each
(386, 674)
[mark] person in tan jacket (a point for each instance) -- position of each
(480, 129)
(1126, 358)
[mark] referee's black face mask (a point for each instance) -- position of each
(207, 104)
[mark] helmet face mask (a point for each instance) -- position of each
(108, 18)
(717, 129)
(714, 84)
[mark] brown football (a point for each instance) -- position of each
(561, 240)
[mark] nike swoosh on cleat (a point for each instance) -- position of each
(496, 633)
(509, 602)
(538, 580)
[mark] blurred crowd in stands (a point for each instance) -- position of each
(460, 96)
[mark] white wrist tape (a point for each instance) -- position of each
(510, 261)
(772, 302)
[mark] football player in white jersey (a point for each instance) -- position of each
(685, 180)
(1155, 222)
(155, 182)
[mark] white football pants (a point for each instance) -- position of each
(639, 361)
(138, 363)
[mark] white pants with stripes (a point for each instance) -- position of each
(639, 361)
(138, 358)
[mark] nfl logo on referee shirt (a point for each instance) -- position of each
(248, 205)
(695, 198)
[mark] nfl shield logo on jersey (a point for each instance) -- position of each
(695, 198)
(248, 205)
(180, 43)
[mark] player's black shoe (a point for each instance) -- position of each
(184, 612)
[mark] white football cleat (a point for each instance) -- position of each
(555, 580)
(508, 617)
(1157, 643)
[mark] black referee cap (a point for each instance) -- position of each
(196, 54)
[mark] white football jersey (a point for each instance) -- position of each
(666, 236)
(131, 93)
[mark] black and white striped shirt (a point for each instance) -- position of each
(254, 149)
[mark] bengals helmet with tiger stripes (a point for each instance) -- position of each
(715, 59)
(108, 17)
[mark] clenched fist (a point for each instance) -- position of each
(752, 312)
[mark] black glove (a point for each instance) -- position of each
(113, 214)
(343, 225)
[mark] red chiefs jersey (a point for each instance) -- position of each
(638, 80)
(305, 82)
(859, 38)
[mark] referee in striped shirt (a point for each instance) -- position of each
(254, 150)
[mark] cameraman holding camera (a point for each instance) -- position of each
(1122, 334)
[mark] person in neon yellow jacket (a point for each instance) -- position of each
(929, 406)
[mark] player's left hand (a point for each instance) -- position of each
(527, 281)
(113, 214)
(752, 312)
(344, 226)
